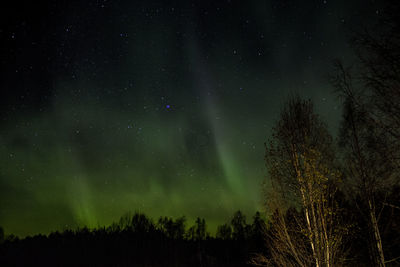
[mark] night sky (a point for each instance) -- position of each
(161, 107)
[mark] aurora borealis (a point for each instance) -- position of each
(116, 106)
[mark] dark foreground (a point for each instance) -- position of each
(137, 241)
(123, 250)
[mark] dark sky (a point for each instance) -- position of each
(155, 106)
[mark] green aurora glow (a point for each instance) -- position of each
(165, 113)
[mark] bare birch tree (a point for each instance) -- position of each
(299, 159)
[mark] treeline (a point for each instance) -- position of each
(136, 240)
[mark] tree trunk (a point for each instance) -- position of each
(380, 260)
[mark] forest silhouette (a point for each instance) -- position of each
(136, 240)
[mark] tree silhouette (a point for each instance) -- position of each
(258, 228)
(238, 223)
(370, 130)
(378, 52)
(366, 169)
(224, 232)
(137, 222)
(200, 229)
(173, 229)
(259, 225)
